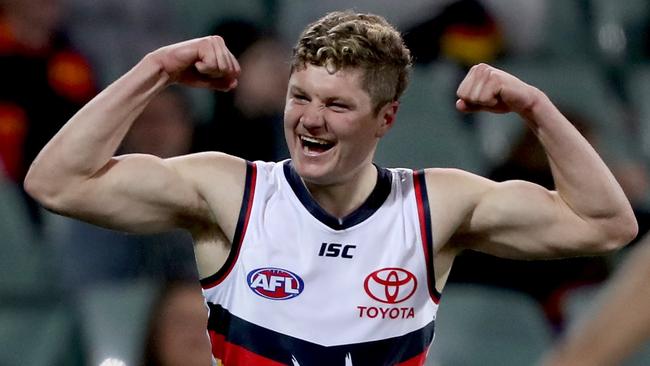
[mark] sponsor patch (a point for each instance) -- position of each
(390, 285)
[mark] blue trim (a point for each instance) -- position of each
(374, 201)
(239, 230)
(236, 241)
(281, 347)
(424, 197)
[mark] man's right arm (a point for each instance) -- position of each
(76, 174)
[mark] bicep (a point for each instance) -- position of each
(518, 219)
(138, 193)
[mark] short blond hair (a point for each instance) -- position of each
(345, 39)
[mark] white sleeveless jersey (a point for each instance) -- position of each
(301, 287)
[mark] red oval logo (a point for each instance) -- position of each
(390, 285)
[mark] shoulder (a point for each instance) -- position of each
(453, 196)
(457, 181)
(210, 170)
(208, 162)
(446, 181)
(220, 180)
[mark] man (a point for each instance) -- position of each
(326, 258)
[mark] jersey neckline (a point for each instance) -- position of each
(374, 201)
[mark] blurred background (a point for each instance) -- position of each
(75, 294)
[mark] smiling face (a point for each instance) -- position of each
(331, 126)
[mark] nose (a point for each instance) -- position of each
(312, 118)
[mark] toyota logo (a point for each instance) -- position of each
(390, 285)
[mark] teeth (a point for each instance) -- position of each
(314, 140)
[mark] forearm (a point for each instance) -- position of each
(90, 138)
(582, 179)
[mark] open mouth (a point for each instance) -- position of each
(312, 145)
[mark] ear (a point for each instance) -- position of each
(387, 115)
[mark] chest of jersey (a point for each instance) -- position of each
(322, 282)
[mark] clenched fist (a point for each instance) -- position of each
(203, 62)
(486, 88)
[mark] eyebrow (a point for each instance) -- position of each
(295, 89)
(336, 98)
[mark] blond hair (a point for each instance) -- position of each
(346, 39)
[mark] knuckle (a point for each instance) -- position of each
(217, 39)
(205, 42)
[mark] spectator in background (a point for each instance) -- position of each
(44, 81)
(463, 32)
(248, 121)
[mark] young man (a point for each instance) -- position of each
(326, 258)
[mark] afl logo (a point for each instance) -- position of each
(275, 283)
(390, 285)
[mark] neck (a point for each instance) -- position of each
(341, 199)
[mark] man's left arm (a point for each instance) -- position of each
(587, 213)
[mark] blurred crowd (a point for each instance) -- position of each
(591, 56)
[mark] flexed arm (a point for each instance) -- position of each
(76, 174)
(587, 213)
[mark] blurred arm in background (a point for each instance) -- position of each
(620, 322)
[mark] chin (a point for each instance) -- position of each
(314, 172)
(309, 170)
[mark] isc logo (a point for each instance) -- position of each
(336, 250)
(275, 283)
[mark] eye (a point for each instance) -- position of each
(301, 98)
(338, 106)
